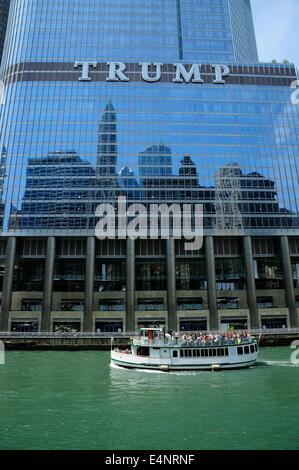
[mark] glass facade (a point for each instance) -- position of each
(68, 144)
(4, 10)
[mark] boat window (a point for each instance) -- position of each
(255, 347)
(222, 352)
(194, 352)
(182, 352)
(210, 352)
(202, 352)
(174, 353)
(239, 350)
(252, 348)
(190, 353)
(206, 352)
(214, 352)
(226, 351)
(246, 349)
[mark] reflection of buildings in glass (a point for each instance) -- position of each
(155, 162)
(227, 198)
(128, 184)
(4, 10)
(244, 200)
(188, 169)
(60, 192)
(107, 153)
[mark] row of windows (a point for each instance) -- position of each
(247, 349)
(222, 247)
(204, 352)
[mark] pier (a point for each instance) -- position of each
(102, 341)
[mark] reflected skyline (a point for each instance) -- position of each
(62, 190)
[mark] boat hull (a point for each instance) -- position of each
(132, 362)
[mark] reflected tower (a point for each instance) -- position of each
(107, 153)
(228, 196)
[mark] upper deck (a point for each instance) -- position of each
(156, 337)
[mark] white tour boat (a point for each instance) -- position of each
(153, 349)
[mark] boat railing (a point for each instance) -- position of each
(180, 343)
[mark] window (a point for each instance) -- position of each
(235, 323)
(151, 275)
(190, 275)
(174, 354)
(111, 305)
(71, 247)
(274, 322)
(110, 276)
(60, 326)
(69, 276)
(191, 303)
(72, 305)
(34, 305)
(227, 246)
(105, 326)
(193, 324)
(24, 327)
(33, 247)
(239, 350)
(230, 274)
(268, 273)
(29, 275)
(246, 349)
(150, 304)
(265, 302)
(252, 348)
(151, 322)
(227, 303)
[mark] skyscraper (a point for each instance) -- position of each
(4, 10)
(136, 86)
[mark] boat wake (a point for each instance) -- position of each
(278, 363)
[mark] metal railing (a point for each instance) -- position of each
(130, 334)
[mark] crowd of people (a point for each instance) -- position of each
(214, 339)
(205, 339)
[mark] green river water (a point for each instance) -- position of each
(75, 400)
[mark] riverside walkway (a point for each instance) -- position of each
(102, 340)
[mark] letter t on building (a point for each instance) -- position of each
(85, 70)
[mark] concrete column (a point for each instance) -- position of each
(8, 282)
(250, 282)
(171, 285)
(211, 277)
(48, 284)
(288, 280)
(89, 285)
(130, 285)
